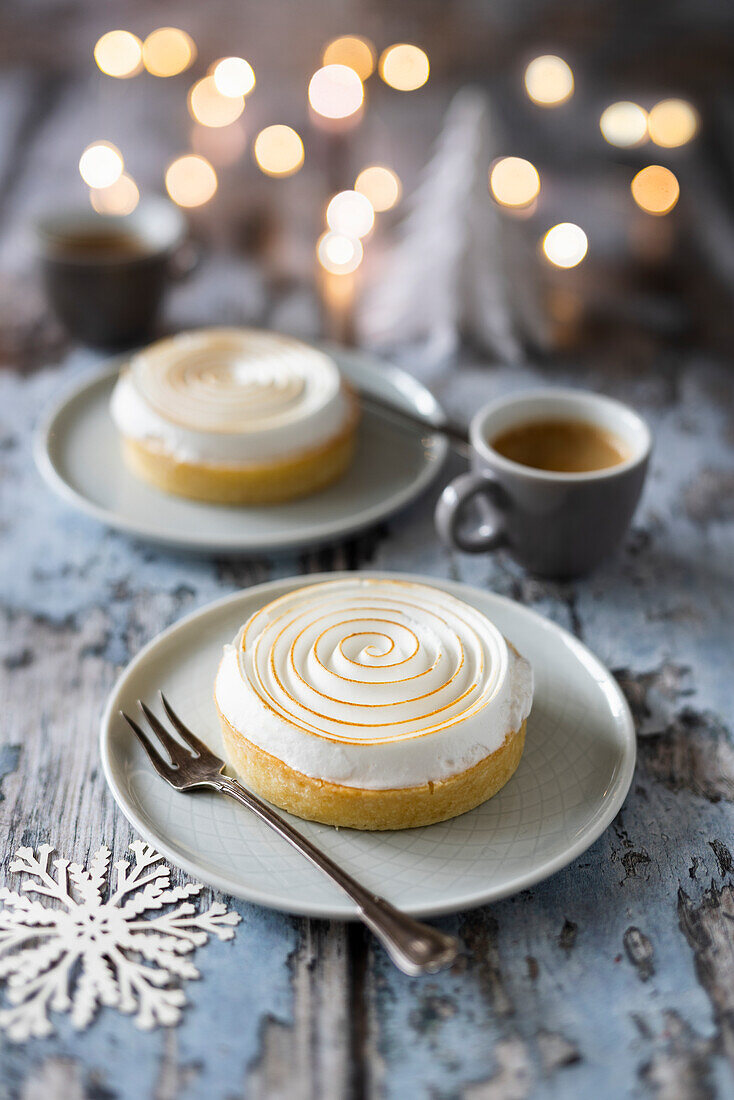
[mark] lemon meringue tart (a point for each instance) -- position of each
(235, 416)
(373, 703)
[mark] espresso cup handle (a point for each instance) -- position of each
(451, 507)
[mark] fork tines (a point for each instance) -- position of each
(185, 765)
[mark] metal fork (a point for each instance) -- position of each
(414, 947)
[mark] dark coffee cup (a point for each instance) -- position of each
(105, 276)
(557, 524)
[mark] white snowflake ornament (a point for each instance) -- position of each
(123, 946)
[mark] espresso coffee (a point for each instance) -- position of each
(561, 446)
(99, 244)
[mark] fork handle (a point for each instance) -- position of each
(415, 948)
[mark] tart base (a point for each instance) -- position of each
(358, 808)
(256, 483)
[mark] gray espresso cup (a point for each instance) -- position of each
(556, 524)
(106, 276)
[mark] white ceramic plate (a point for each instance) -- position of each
(77, 452)
(573, 778)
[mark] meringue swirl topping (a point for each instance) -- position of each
(228, 394)
(353, 678)
(233, 380)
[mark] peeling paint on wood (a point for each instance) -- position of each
(680, 1068)
(567, 938)
(723, 856)
(9, 759)
(556, 1051)
(709, 930)
(639, 952)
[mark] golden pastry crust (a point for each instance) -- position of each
(359, 808)
(269, 482)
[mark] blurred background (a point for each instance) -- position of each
(611, 225)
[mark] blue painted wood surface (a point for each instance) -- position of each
(611, 979)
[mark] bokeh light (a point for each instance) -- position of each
(549, 80)
(101, 164)
(404, 67)
(380, 185)
(208, 106)
(672, 122)
(222, 146)
(119, 53)
(278, 150)
(350, 214)
(119, 198)
(353, 51)
(565, 245)
(655, 189)
(624, 124)
(335, 91)
(514, 181)
(339, 254)
(168, 51)
(233, 76)
(191, 180)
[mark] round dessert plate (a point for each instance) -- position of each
(573, 777)
(78, 452)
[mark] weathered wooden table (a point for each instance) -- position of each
(614, 978)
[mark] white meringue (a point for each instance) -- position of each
(373, 683)
(231, 396)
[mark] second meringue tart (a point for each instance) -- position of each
(235, 416)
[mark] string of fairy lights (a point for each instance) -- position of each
(515, 183)
(336, 101)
